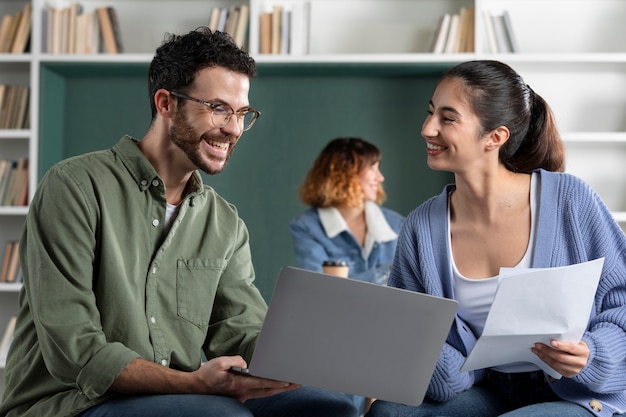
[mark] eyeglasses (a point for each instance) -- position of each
(221, 113)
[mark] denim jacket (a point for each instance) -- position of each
(321, 234)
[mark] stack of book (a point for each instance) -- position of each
(15, 31)
(72, 30)
(284, 29)
(233, 20)
(14, 182)
(454, 32)
(11, 271)
(14, 105)
(500, 36)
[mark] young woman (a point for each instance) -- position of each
(509, 207)
(345, 221)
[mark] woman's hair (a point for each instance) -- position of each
(180, 57)
(333, 180)
(498, 95)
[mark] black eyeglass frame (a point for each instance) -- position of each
(229, 110)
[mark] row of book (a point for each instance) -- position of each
(233, 20)
(284, 29)
(72, 30)
(7, 339)
(14, 182)
(14, 106)
(15, 31)
(455, 32)
(11, 271)
(500, 35)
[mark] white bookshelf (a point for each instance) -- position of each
(572, 52)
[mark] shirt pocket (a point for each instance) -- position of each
(196, 283)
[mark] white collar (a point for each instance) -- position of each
(377, 227)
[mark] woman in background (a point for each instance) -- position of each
(510, 206)
(345, 221)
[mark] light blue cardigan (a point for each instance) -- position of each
(573, 225)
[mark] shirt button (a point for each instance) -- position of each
(164, 362)
(155, 222)
(155, 183)
(595, 405)
(152, 320)
(144, 182)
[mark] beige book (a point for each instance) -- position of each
(22, 33)
(231, 21)
(266, 33)
(242, 25)
(6, 260)
(277, 15)
(12, 32)
(72, 35)
(106, 29)
(214, 19)
(5, 27)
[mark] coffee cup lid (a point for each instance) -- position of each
(335, 262)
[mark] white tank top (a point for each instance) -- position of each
(475, 296)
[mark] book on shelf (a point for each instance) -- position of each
(22, 32)
(214, 18)
(14, 182)
(74, 11)
(11, 271)
(14, 105)
(14, 263)
(508, 29)
(467, 33)
(232, 20)
(454, 32)
(6, 260)
(284, 28)
(6, 35)
(490, 32)
(117, 30)
(299, 28)
(7, 339)
(277, 15)
(241, 29)
(441, 33)
(15, 30)
(6, 166)
(265, 36)
(499, 30)
(107, 21)
(72, 30)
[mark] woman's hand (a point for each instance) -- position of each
(566, 358)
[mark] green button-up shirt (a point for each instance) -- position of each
(105, 282)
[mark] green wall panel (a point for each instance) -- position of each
(87, 109)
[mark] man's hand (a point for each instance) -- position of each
(217, 379)
(214, 377)
(566, 358)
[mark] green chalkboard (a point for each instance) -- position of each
(86, 107)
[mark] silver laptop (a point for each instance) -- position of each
(351, 336)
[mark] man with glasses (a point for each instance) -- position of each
(133, 268)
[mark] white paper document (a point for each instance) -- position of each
(535, 305)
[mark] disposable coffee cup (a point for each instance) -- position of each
(336, 267)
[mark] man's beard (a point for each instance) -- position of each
(183, 136)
